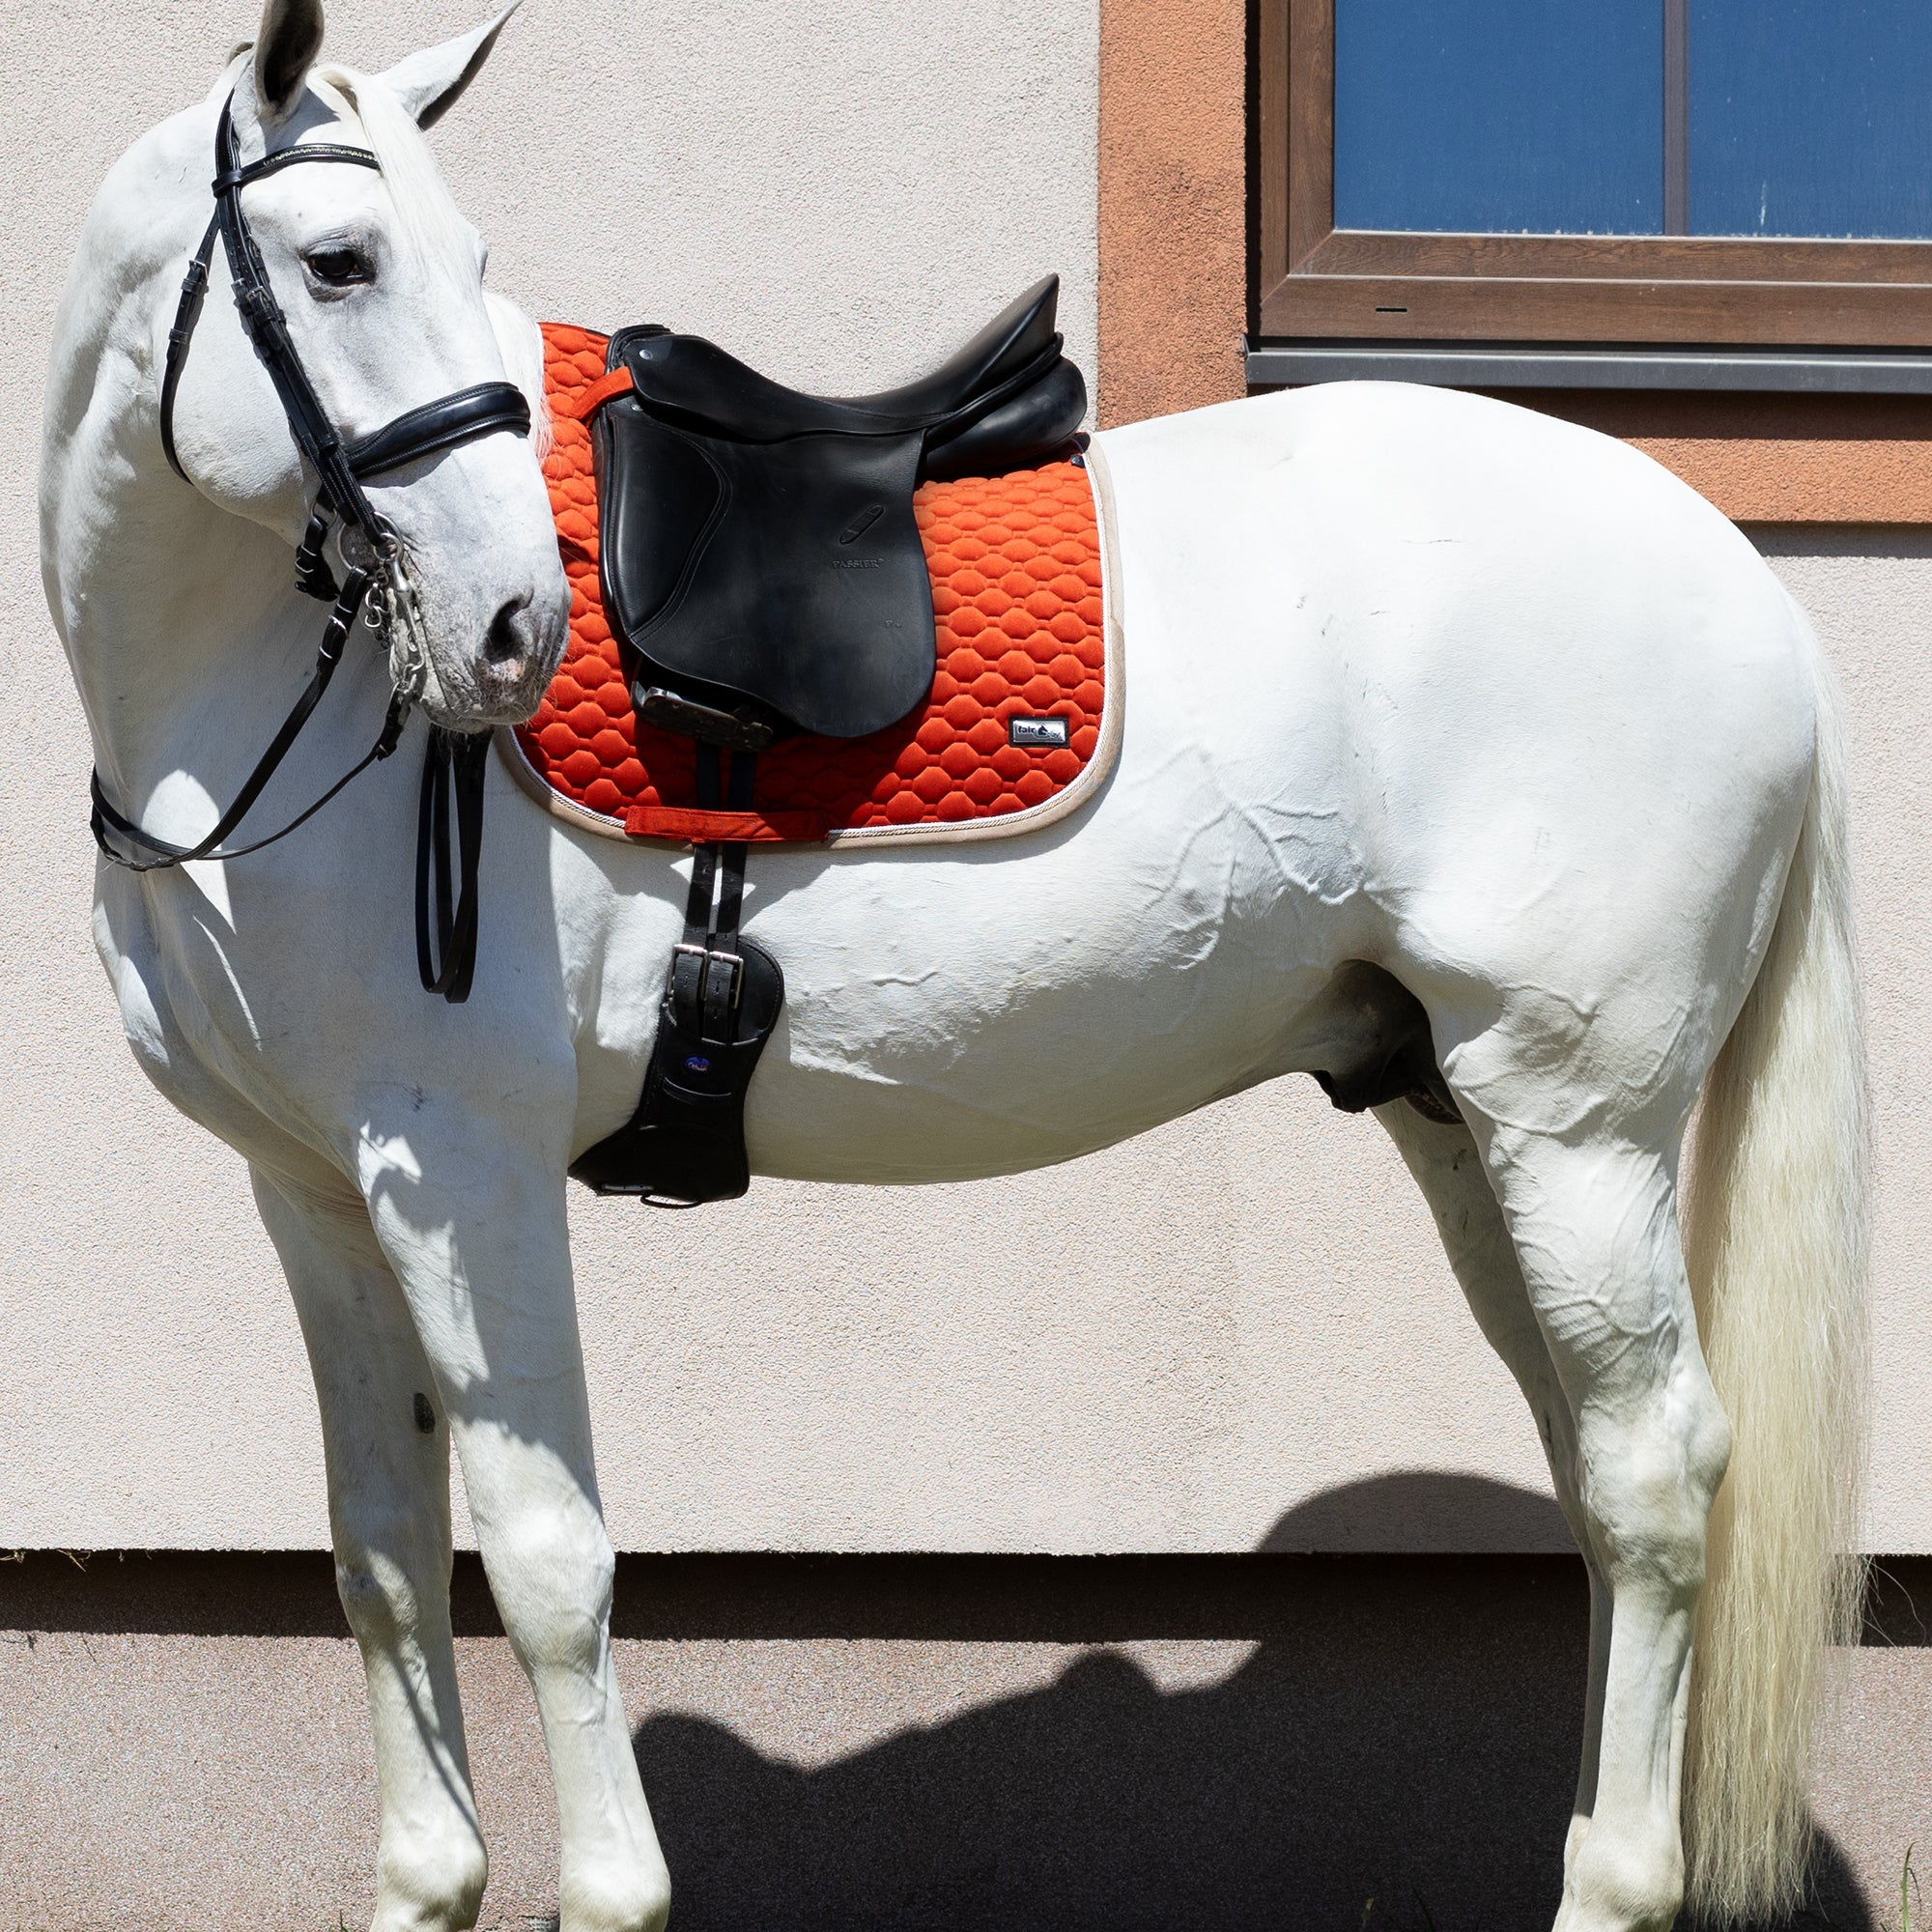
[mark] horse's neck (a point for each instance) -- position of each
(183, 630)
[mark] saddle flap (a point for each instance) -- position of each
(787, 574)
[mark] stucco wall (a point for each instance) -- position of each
(1185, 1344)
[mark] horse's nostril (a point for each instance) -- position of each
(509, 637)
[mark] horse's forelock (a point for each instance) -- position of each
(429, 217)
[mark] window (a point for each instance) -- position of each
(1718, 172)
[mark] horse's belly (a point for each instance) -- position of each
(944, 1020)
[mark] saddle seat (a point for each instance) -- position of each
(759, 556)
(687, 376)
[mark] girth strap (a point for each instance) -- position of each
(706, 968)
(722, 997)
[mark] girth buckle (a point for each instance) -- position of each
(703, 990)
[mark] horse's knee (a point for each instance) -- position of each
(429, 1884)
(551, 1570)
(381, 1593)
(633, 1900)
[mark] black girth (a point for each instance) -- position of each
(685, 1145)
(341, 468)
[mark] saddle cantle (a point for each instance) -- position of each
(759, 556)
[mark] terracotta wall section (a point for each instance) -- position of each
(1773, 459)
(1173, 205)
(1781, 480)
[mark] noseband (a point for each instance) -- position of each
(342, 467)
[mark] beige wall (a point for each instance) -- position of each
(1178, 1345)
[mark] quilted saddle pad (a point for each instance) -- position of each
(1024, 658)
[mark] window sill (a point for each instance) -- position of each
(1509, 365)
(1772, 451)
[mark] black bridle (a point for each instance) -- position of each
(341, 466)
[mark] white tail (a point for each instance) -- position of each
(1775, 1243)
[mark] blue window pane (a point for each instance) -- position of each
(1812, 117)
(1500, 116)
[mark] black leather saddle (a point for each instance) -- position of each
(760, 563)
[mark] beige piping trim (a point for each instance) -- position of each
(545, 793)
(1032, 818)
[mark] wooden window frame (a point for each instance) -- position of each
(1316, 280)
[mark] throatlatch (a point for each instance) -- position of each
(685, 1145)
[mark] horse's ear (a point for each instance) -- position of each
(285, 50)
(428, 84)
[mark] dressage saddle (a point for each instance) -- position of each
(764, 573)
(759, 552)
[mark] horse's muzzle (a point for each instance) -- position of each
(503, 679)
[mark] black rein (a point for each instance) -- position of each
(453, 758)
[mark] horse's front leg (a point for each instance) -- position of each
(471, 1213)
(386, 1451)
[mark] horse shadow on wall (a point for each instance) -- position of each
(1397, 1753)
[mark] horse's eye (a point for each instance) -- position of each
(338, 266)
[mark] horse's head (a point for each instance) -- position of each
(381, 282)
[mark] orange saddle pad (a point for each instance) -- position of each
(1020, 634)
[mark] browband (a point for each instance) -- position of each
(287, 158)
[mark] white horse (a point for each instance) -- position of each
(1430, 700)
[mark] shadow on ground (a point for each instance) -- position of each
(1397, 1753)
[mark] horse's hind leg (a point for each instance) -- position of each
(1593, 1218)
(387, 1449)
(1448, 1168)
